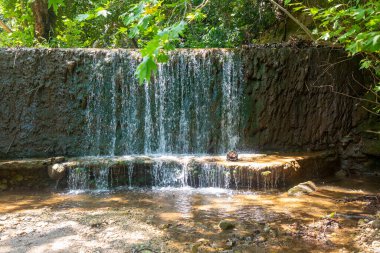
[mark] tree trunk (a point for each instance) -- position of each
(44, 19)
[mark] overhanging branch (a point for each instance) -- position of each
(304, 28)
(5, 27)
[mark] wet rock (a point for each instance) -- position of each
(302, 189)
(341, 174)
(230, 243)
(58, 159)
(201, 243)
(248, 239)
(57, 171)
(260, 239)
(371, 146)
(376, 224)
(3, 187)
(376, 246)
(166, 226)
(194, 248)
(226, 225)
(232, 156)
(19, 178)
(267, 228)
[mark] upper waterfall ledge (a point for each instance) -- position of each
(252, 171)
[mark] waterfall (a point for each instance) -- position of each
(128, 172)
(86, 179)
(191, 106)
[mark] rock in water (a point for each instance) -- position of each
(341, 174)
(226, 225)
(56, 171)
(302, 189)
(232, 156)
(376, 224)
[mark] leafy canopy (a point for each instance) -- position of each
(355, 25)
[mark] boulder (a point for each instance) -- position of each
(226, 225)
(56, 171)
(371, 147)
(341, 174)
(376, 224)
(232, 156)
(302, 189)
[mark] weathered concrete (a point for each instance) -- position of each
(44, 98)
(252, 171)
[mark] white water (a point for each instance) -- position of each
(191, 107)
(168, 171)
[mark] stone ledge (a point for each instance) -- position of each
(253, 171)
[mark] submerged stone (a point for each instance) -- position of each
(226, 225)
(302, 189)
(376, 224)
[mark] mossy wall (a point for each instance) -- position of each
(286, 99)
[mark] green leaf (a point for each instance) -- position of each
(325, 36)
(359, 14)
(55, 4)
(162, 58)
(145, 69)
(314, 11)
(365, 64)
(103, 13)
(82, 17)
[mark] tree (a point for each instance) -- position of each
(44, 19)
(355, 26)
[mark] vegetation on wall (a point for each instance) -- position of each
(156, 26)
(355, 25)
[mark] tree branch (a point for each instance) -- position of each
(5, 27)
(304, 28)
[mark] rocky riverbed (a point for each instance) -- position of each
(338, 217)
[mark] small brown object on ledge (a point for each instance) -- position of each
(232, 156)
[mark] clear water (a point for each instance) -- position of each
(179, 171)
(191, 106)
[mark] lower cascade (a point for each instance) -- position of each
(159, 174)
(255, 172)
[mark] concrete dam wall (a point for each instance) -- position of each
(79, 102)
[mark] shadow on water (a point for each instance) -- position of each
(180, 218)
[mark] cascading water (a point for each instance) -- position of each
(86, 179)
(191, 106)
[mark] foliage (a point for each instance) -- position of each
(154, 25)
(145, 19)
(160, 25)
(23, 31)
(355, 25)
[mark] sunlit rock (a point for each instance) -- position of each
(57, 171)
(232, 156)
(302, 189)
